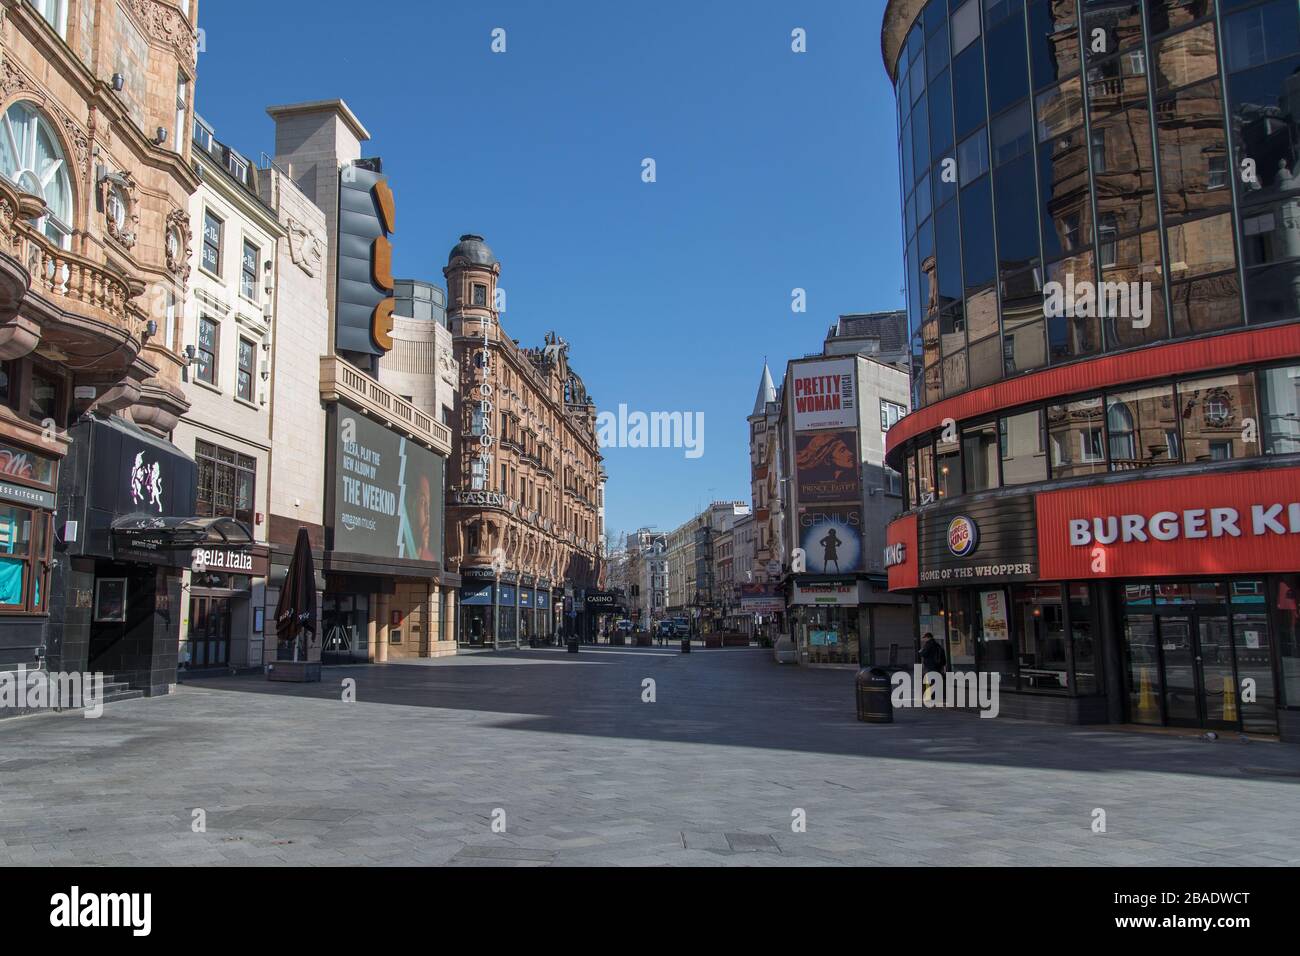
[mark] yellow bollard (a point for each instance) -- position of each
(1229, 699)
(1146, 699)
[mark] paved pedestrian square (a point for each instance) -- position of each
(541, 758)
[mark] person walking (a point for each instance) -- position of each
(933, 658)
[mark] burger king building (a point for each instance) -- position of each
(1103, 506)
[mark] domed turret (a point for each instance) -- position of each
(474, 249)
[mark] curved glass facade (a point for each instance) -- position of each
(1085, 177)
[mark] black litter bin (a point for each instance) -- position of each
(573, 645)
(532, 642)
(686, 645)
(872, 686)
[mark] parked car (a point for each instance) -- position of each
(625, 626)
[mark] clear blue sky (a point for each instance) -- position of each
(775, 170)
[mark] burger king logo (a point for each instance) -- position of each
(963, 536)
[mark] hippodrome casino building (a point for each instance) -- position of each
(1104, 509)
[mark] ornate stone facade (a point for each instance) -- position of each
(106, 268)
(524, 483)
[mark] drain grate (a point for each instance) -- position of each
(751, 843)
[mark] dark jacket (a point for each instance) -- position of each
(932, 656)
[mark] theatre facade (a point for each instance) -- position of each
(1102, 505)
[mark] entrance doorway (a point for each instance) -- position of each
(1198, 655)
(208, 642)
(345, 626)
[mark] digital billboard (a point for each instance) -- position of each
(388, 492)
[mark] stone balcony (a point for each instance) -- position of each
(83, 315)
(70, 305)
(340, 380)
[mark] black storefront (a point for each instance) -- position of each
(596, 605)
(981, 597)
(123, 523)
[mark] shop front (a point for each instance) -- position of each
(527, 609)
(477, 607)
(599, 610)
(28, 482)
(507, 611)
(386, 594)
(225, 621)
(1165, 602)
(825, 620)
(126, 512)
(544, 622)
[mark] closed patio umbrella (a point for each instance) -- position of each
(295, 614)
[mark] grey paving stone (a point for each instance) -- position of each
(588, 775)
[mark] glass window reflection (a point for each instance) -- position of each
(1076, 438)
(1053, 41)
(1280, 396)
(1186, 58)
(1193, 152)
(1142, 428)
(1213, 412)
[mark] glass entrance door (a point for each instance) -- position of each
(207, 643)
(1178, 653)
(1200, 688)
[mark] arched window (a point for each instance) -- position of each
(1123, 443)
(32, 159)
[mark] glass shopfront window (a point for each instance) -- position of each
(476, 614)
(345, 628)
(1284, 597)
(507, 615)
(1252, 651)
(1087, 676)
(995, 652)
(1043, 655)
(1142, 674)
(1189, 648)
(24, 559)
(829, 635)
(961, 633)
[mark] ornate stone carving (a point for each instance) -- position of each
(177, 244)
(165, 23)
(447, 365)
(117, 197)
(12, 79)
(8, 234)
(306, 248)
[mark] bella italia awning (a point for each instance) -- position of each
(144, 532)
